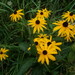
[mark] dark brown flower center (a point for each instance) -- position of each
(71, 14)
(48, 43)
(65, 24)
(37, 22)
(44, 52)
(15, 12)
(41, 13)
(42, 37)
(36, 43)
(1, 52)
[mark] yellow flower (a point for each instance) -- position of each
(44, 41)
(3, 54)
(38, 24)
(44, 13)
(45, 53)
(43, 36)
(69, 16)
(53, 44)
(17, 15)
(65, 29)
(37, 42)
(29, 48)
(70, 37)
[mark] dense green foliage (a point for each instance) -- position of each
(17, 37)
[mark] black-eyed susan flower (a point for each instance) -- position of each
(69, 16)
(38, 24)
(17, 15)
(70, 37)
(49, 42)
(37, 42)
(43, 36)
(53, 44)
(44, 13)
(65, 29)
(45, 53)
(3, 54)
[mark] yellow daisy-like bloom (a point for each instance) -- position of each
(70, 37)
(38, 42)
(38, 24)
(44, 13)
(65, 29)
(17, 15)
(46, 54)
(69, 16)
(3, 54)
(44, 41)
(53, 44)
(43, 36)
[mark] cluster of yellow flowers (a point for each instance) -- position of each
(39, 22)
(46, 47)
(65, 27)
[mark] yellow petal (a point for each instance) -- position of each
(56, 28)
(52, 57)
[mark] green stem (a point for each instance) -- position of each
(57, 67)
(47, 68)
(3, 4)
(2, 66)
(23, 56)
(22, 31)
(18, 4)
(23, 4)
(9, 46)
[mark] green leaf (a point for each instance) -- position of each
(6, 6)
(73, 47)
(3, 10)
(71, 57)
(33, 50)
(23, 46)
(28, 63)
(55, 73)
(36, 70)
(72, 73)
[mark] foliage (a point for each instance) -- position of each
(17, 37)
